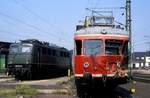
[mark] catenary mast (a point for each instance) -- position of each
(128, 28)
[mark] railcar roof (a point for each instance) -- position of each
(101, 30)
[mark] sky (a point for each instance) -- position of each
(55, 21)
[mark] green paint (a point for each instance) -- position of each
(2, 63)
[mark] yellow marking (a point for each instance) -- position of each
(69, 74)
(134, 82)
(133, 90)
(119, 97)
(7, 73)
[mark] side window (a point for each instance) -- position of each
(61, 53)
(44, 51)
(67, 54)
(78, 47)
(54, 53)
(64, 54)
(49, 52)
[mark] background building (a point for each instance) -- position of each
(4, 50)
(141, 59)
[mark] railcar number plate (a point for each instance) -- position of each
(18, 65)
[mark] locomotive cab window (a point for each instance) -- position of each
(92, 47)
(26, 48)
(113, 47)
(78, 47)
(14, 49)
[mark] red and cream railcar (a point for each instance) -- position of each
(101, 55)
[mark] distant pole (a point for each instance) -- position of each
(148, 43)
(69, 74)
(128, 28)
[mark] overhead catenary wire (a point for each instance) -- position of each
(39, 16)
(34, 27)
(13, 34)
(95, 7)
(10, 34)
(30, 25)
(18, 33)
(112, 8)
(7, 21)
(45, 21)
(97, 3)
(103, 15)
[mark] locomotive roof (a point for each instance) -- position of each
(101, 30)
(40, 43)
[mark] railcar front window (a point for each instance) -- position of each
(92, 47)
(113, 47)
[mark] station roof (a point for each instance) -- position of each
(4, 44)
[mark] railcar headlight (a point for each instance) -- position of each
(86, 64)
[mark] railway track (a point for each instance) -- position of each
(119, 92)
(49, 85)
(4, 78)
(141, 77)
(47, 88)
(44, 86)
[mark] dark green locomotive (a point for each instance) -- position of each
(30, 58)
